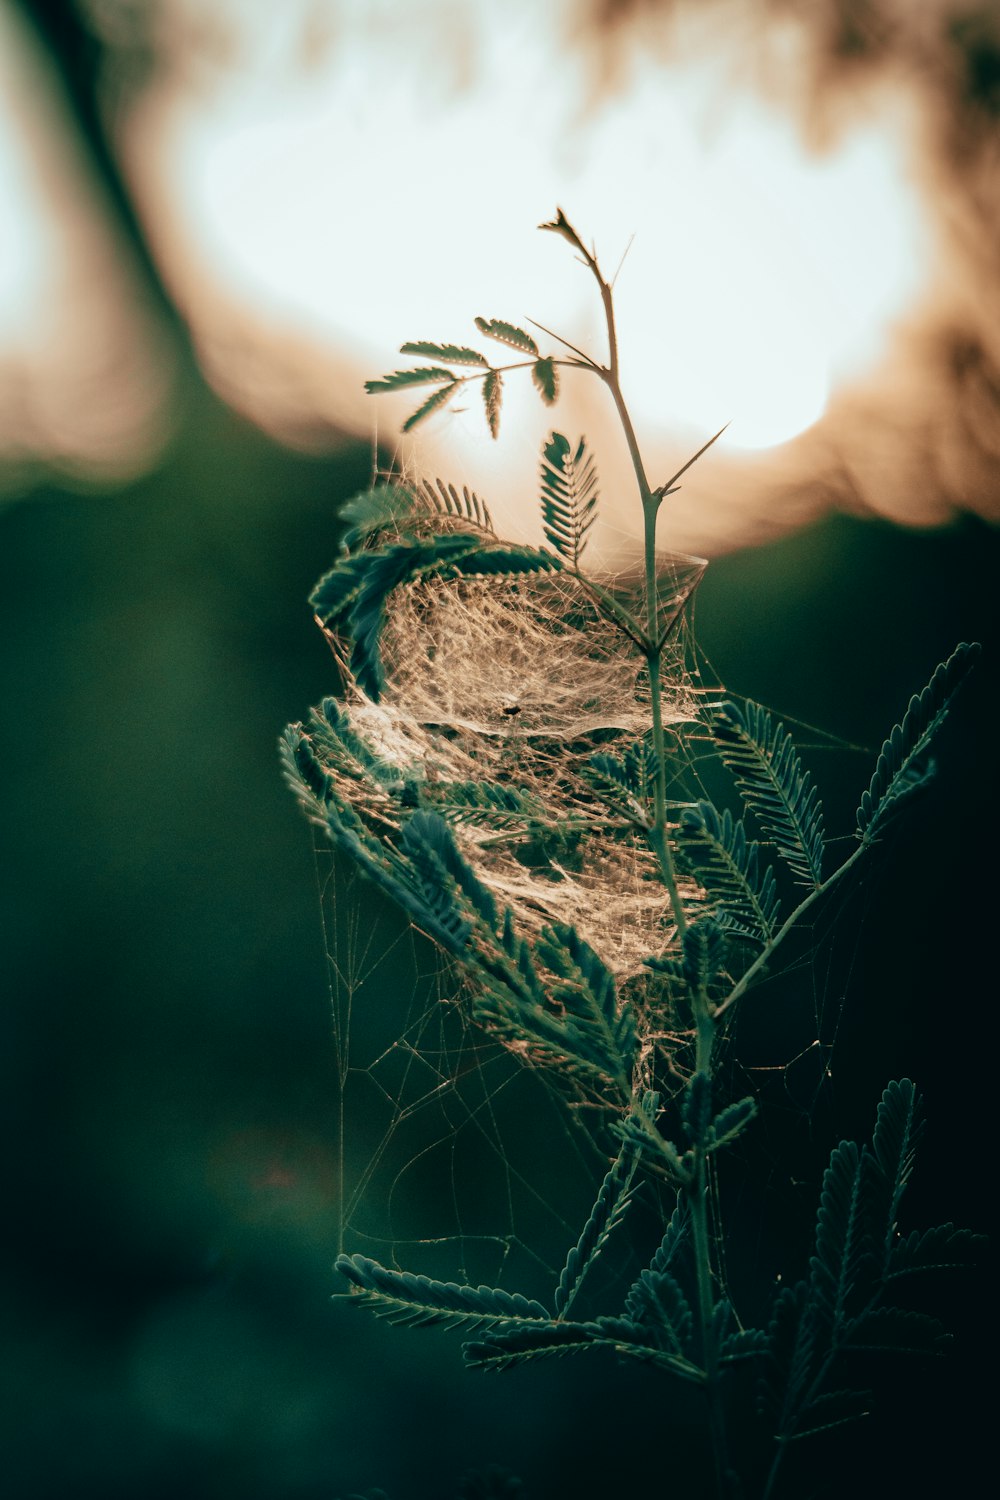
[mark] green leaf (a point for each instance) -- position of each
(515, 1346)
(430, 866)
(444, 500)
(453, 354)
(675, 1236)
(569, 496)
(607, 1213)
(725, 862)
(399, 378)
(832, 1409)
(942, 1248)
(626, 783)
(568, 1022)
(382, 507)
(900, 768)
(792, 1345)
(546, 379)
(696, 1110)
(493, 400)
(843, 1250)
(898, 1126)
(506, 333)
(896, 1330)
(432, 404)
(731, 1122)
(350, 599)
(417, 1300)
(656, 1304)
(484, 804)
(704, 953)
(772, 783)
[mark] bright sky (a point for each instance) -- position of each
(319, 197)
(369, 196)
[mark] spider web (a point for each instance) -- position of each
(461, 1158)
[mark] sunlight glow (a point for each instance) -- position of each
(760, 276)
(82, 386)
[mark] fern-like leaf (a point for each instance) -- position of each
(772, 783)
(675, 1236)
(726, 863)
(507, 1348)
(445, 500)
(901, 769)
(704, 953)
(942, 1248)
(898, 1126)
(696, 1110)
(493, 400)
(506, 333)
(625, 782)
(585, 987)
(432, 404)
(569, 1022)
(831, 1409)
(350, 599)
(843, 1252)
(383, 507)
(607, 1213)
(400, 1297)
(452, 354)
(400, 379)
(791, 1349)
(546, 380)
(730, 1122)
(656, 1304)
(569, 496)
(485, 804)
(896, 1330)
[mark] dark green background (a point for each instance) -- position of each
(169, 1087)
(171, 1211)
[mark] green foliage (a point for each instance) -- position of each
(506, 333)
(606, 1215)
(626, 782)
(726, 862)
(774, 786)
(420, 1302)
(704, 953)
(350, 599)
(902, 767)
(452, 354)
(556, 999)
(399, 379)
(493, 400)
(433, 403)
(841, 1306)
(546, 380)
(445, 500)
(658, 1307)
(569, 496)
(637, 1055)
(484, 804)
(384, 507)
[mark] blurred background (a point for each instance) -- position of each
(216, 220)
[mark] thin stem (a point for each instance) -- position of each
(764, 957)
(705, 1023)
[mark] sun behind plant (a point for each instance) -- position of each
(604, 921)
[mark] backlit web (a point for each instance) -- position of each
(461, 1157)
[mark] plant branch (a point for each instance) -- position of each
(764, 957)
